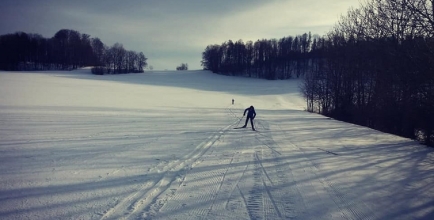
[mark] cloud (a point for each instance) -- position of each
(170, 32)
(282, 18)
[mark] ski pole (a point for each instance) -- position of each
(239, 121)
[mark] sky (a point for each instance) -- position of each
(171, 32)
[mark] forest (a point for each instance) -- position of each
(66, 50)
(268, 59)
(375, 68)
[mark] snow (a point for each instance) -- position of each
(160, 145)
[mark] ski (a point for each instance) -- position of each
(243, 127)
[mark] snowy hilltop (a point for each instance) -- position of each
(161, 145)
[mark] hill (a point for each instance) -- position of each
(161, 145)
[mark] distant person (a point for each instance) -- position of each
(250, 115)
(232, 101)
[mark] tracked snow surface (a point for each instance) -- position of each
(161, 145)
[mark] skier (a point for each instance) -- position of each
(250, 115)
(232, 101)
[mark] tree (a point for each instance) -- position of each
(66, 50)
(98, 48)
(270, 59)
(183, 66)
(141, 62)
(212, 58)
(375, 69)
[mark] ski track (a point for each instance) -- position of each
(111, 154)
(237, 174)
(347, 206)
(282, 201)
(143, 203)
(243, 183)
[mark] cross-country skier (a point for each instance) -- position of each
(250, 115)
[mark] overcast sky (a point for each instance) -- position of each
(171, 32)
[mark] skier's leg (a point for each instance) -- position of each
(251, 122)
(247, 120)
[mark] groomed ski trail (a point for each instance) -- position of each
(240, 174)
(244, 175)
(143, 202)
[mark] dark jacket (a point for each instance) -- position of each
(251, 110)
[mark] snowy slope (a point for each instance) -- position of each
(161, 145)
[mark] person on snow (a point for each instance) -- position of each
(250, 115)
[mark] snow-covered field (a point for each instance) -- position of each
(161, 145)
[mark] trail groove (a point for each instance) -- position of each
(145, 201)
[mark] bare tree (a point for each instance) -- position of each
(141, 62)
(376, 69)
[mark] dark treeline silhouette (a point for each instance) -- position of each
(376, 68)
(66, 50)
(267, 59)
(183, 66)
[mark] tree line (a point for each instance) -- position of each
(374, 68)
(66, 50)
(268, 59)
